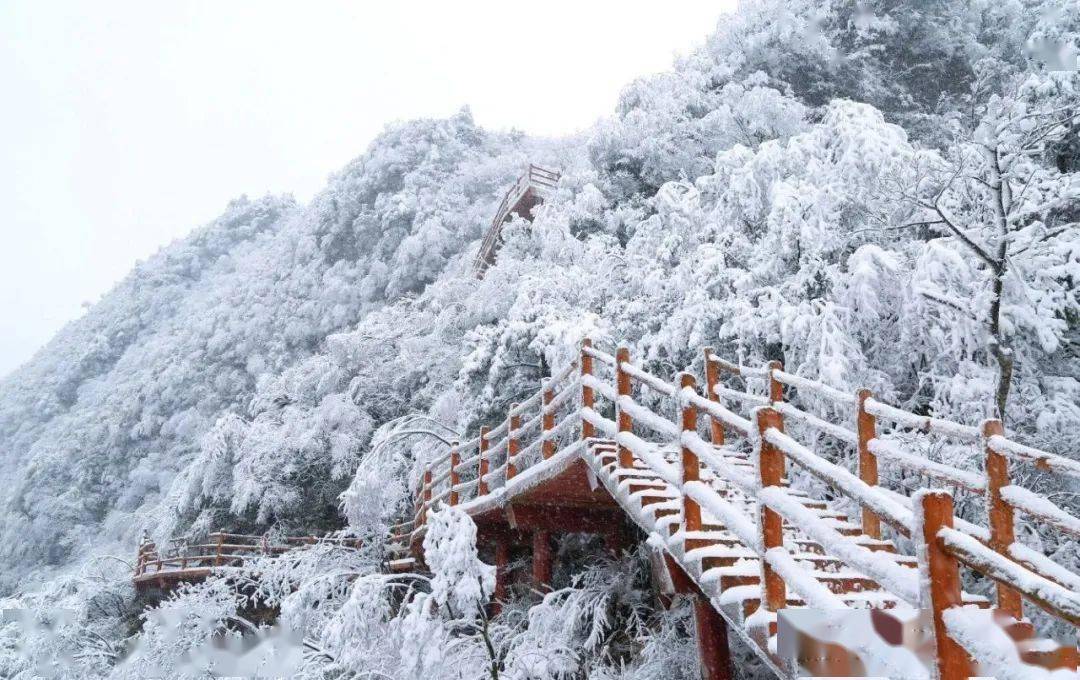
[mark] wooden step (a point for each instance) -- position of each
(1048, 654)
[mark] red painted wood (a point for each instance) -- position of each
(1000, 514)
(682, 583)
(714, 654)
(502, 572)
(712, 379)
(512, 444)
(937, 510)
(776, 388)
(562, 518)
(455, 478)
(587, 396)
(542, 559)
(691, 467)
(482, 486)
(548, 422)
(866, 424)
(623, 388)
(771, 524)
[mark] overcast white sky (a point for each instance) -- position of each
(124, 125)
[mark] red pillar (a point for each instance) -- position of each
(502, 564)
(542, 559)
(714, 655)
(944, 586)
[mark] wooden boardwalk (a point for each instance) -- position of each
(192, 561)
(526, 193)
(710, 488)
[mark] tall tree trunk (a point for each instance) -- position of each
(1002, 200)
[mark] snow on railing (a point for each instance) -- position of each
(536, 178)
(569, 397)
(591, 351)
(982, 637)
(807, 385)
(840, 479)
(528, 433)
(748, 397)
(1041, 508)
(222, 549)
(1041, 459)
(1001, 497)
(1059, 601)
(970, 481)
(927, 424)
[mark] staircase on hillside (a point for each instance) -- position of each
(756, 555)
(714, 482)
(528, 192)
(186, 561)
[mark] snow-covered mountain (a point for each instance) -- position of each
(879, 194)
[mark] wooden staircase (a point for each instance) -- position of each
(726, 515)
(719, 562)
(520, 199)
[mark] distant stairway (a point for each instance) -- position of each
(528, 192)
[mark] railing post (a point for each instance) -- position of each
(714, 654)
(455, 458)
(548, 421)
(482, 470)
(1000, 514)
(691, 467)
(866, 425)
(934, 510)
(427, 494)
(512, 445)
(217, 555)
(502, 572)
(623, 389)
(776, 388)
(587, 396)
(712, 379)
(542, 559)
(770, 523)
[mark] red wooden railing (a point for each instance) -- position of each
(220, 550)
(734, 490)
(536, 179)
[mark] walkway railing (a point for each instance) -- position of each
(736, 479)
(535, 178)
(531, 432)
(220, 550)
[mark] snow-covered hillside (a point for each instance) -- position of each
(879, 194)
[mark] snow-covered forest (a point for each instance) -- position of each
(881, 194)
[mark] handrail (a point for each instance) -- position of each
(661, 386)
(533, 177)
(645, 442)
(970, 481)
(737, 369)
(842, 480)
(240, 546)
(1041, 459)
(758, 399)
(599, 355)
(1055, 599)
(923, 423)
(744, 486)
